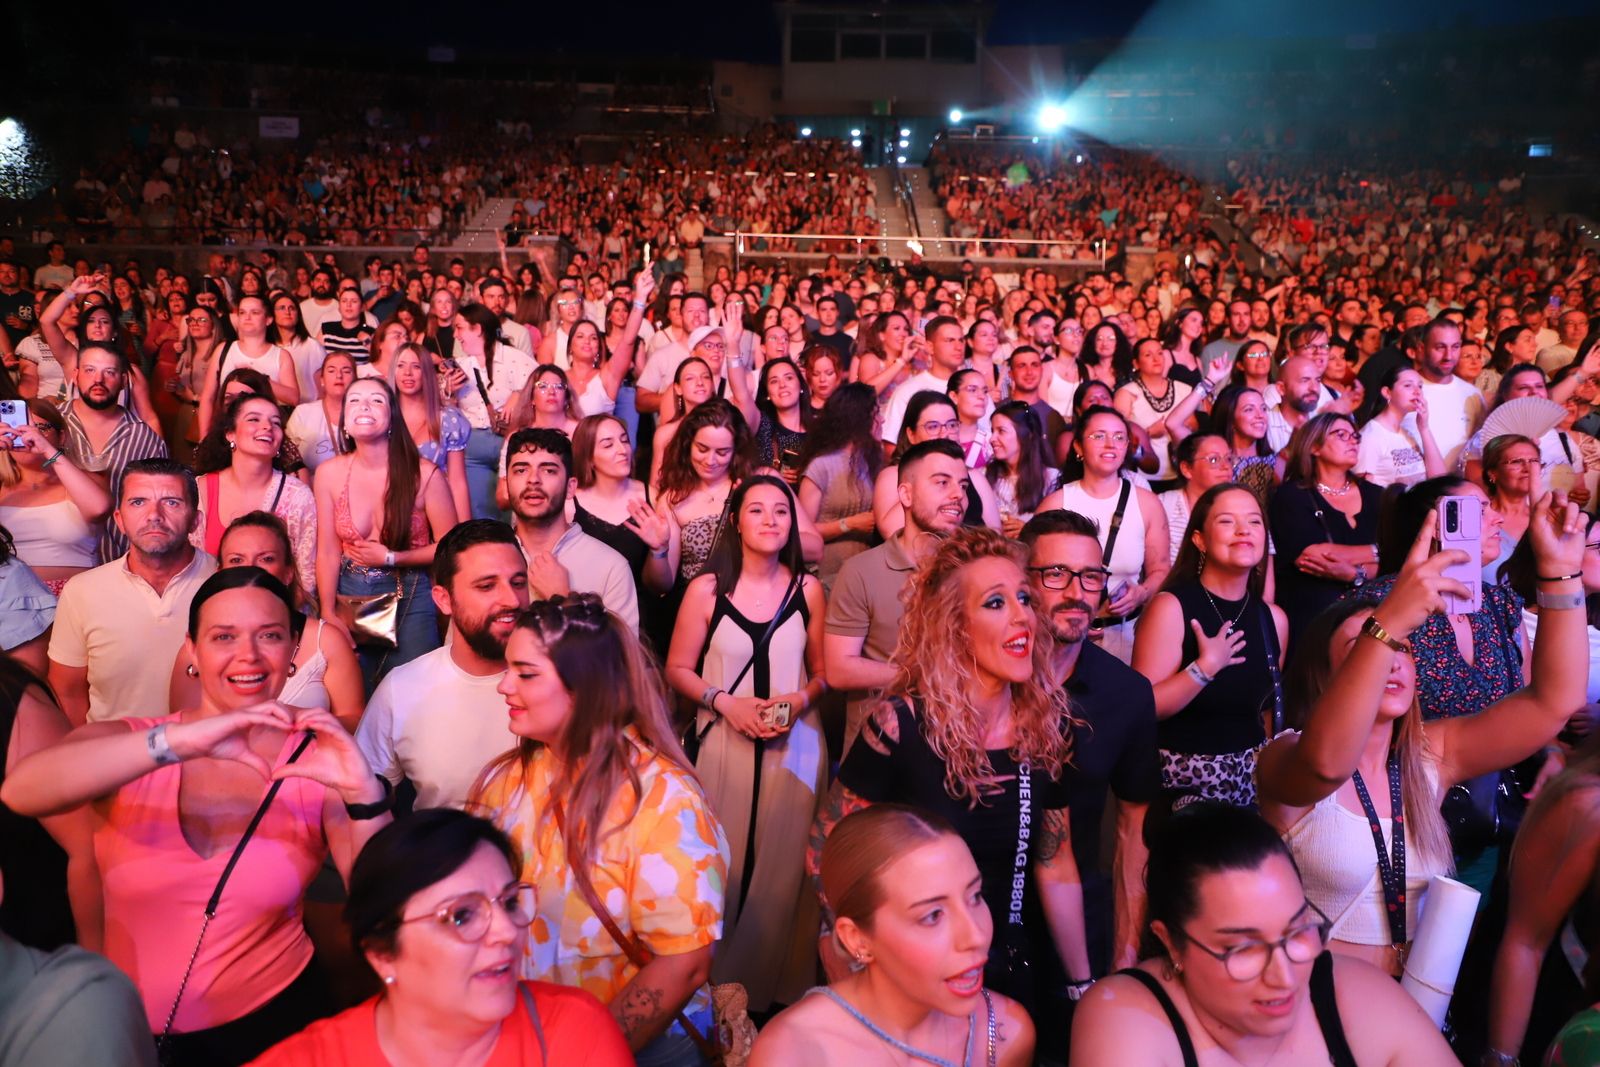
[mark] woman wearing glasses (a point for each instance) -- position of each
(1202, 461)
(1238, 970)
(613, 826)
(439, 916)
(929, 415)
(1324, 519)
(970, 394)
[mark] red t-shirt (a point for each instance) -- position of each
(577, 1029)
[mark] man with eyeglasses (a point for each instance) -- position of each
(1114, 744)
(947, 349)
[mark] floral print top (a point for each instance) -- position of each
(662, 874)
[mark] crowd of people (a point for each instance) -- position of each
(431, 664)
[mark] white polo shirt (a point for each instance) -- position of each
(112, 622)
(595, 567)
(432, 722)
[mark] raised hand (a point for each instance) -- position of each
(227, 736)
(1558, 530)
(1220, 651)
(335, 760)
(644, 285)
(650, 523)
(1421, 585)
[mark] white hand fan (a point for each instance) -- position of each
(1530, 416)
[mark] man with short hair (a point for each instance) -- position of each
(119, 626)
(493, 295)
(1048, 402)
(56, 274)
(16, 307)
(384, 299)
(1300, 392)
(1574, 323)
(1238, 332)
(694, 311)
(865, 608)
(1455, 407)
(1114, 743)
(561, 557)
(440, 719)
(947, 350)
(103, 437)
(828, 332)
(320, 307)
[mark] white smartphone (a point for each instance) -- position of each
(13, 414)
(1461, 526)
(778, 714)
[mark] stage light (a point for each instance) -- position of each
(805, 131)
(955, 116)
(855, 132)
(904, 132)
(904, 143)
(900, 159)
(855, 142)
(1051, 117)
(1078, 159)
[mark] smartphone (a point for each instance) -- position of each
(1461, 526)
(647, 255)
(778, 714)
(13, 414)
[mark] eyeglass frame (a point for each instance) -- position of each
(1071, 576)
(1325, 927)
(441, 914)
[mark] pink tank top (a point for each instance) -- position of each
(156, 888)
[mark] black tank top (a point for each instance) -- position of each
(1323, 1002)
(1225, 716)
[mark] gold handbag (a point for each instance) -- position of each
(373, 619)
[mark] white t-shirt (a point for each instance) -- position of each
(511, 370)
(1454, 410)
(895, 413)
(432, 722)
(661, 365)
(316, 315)
(1389, 456)
(307, 357)
(309, 429)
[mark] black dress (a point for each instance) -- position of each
(35, 910)
(655, 619)
(1302, 517)
(912, 773)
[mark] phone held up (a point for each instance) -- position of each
(1461, 526)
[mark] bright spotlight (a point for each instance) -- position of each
(904, 143)
(855, 142)
(1079, 160)
(805, 131)
(900, 159)
(855, 132)
(1052, 117)
(904, 132)
(955, 116)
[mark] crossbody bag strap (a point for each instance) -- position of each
(216, 894)
(277, 496)
(760, 648)
(1116, 522)
(538, 1026)
(1269, 645)
(630, 946)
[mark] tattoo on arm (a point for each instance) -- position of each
(1053, 832)
(635, 1010)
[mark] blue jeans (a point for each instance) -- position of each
(483, 465)
(671, 1049)
(418, 627)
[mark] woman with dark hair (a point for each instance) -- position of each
(747, 651)
(1252, 366)
(1238, 968)
(1514, 346)
(1239, 414)
(1389, 451)
(1324, 519)
(929, 415)
(614, 507)
(906, 896)
(1355, 682)
(381, 509)
(693, 383)
(437, 913)
(1107, 356)
(1020, 470)
(1202, 460)
(235, 470)
(1182, 341)
(886, 348)
(627, 862)
(782, 411)
(440, 431)
(972, 731)
(488, 375)
(199, 347)
(1150, 398)
(254, 350)
(288, 330)
(172, 798)
(53, 511)
(970, 394)
(312, 426)
(1212, 647)
(132, 315)
(839, 464)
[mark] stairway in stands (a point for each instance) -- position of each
(489, 220)
(930, 214)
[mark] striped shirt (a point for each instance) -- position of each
(131, 440)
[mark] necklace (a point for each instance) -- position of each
(1328, 490)
(895, 1043)
(1226, 625)
(1158, 405)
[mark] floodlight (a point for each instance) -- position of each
(955, 116)
(1052, 117)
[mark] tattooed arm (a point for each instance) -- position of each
(1061, 893)
(647, 1004)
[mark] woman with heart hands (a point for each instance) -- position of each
(172, 799)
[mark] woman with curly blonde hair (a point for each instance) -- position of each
(975, 729)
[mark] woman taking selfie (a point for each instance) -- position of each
(173, 797)
(1237, 967)
(907, 899)
(439, 916)
(626, 860)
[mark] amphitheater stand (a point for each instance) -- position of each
(930, 217)
(491, 218)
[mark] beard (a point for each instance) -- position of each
(555, 507)
(478, 636)
(1073, 632)
(104, 403)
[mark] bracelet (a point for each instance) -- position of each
(709, 697)
(1560, 578)
(388, 558)
(1076, 990)
(661, 553)
(362, 812)
(155, 742)
(1374, 629)
(638, 305)
(1199, 674)
(1558, 601)
(46, 464)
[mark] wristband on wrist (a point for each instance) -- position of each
(362, 812)
(155, 742)
(1558, 601)
(1560, 578)
(388, 558)
(1198, 673)
(46, 464)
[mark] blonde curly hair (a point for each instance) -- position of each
(935, 669)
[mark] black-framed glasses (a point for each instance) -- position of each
(470, 915)
(1342, 434)
(1058, 576)
(1249, 960)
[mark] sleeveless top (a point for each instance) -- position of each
(696, 538)
(1324, 1002)
(344, 524)
(305, 688)
(52, 535)
(731, 640)
(233, 357)
(1127, 560)
(628, 544)
(1225, 716)
(1333, 848)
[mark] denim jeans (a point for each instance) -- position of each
(418, 628)
(671, 1049)
(483, 465)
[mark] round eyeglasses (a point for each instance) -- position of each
(469, 916)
